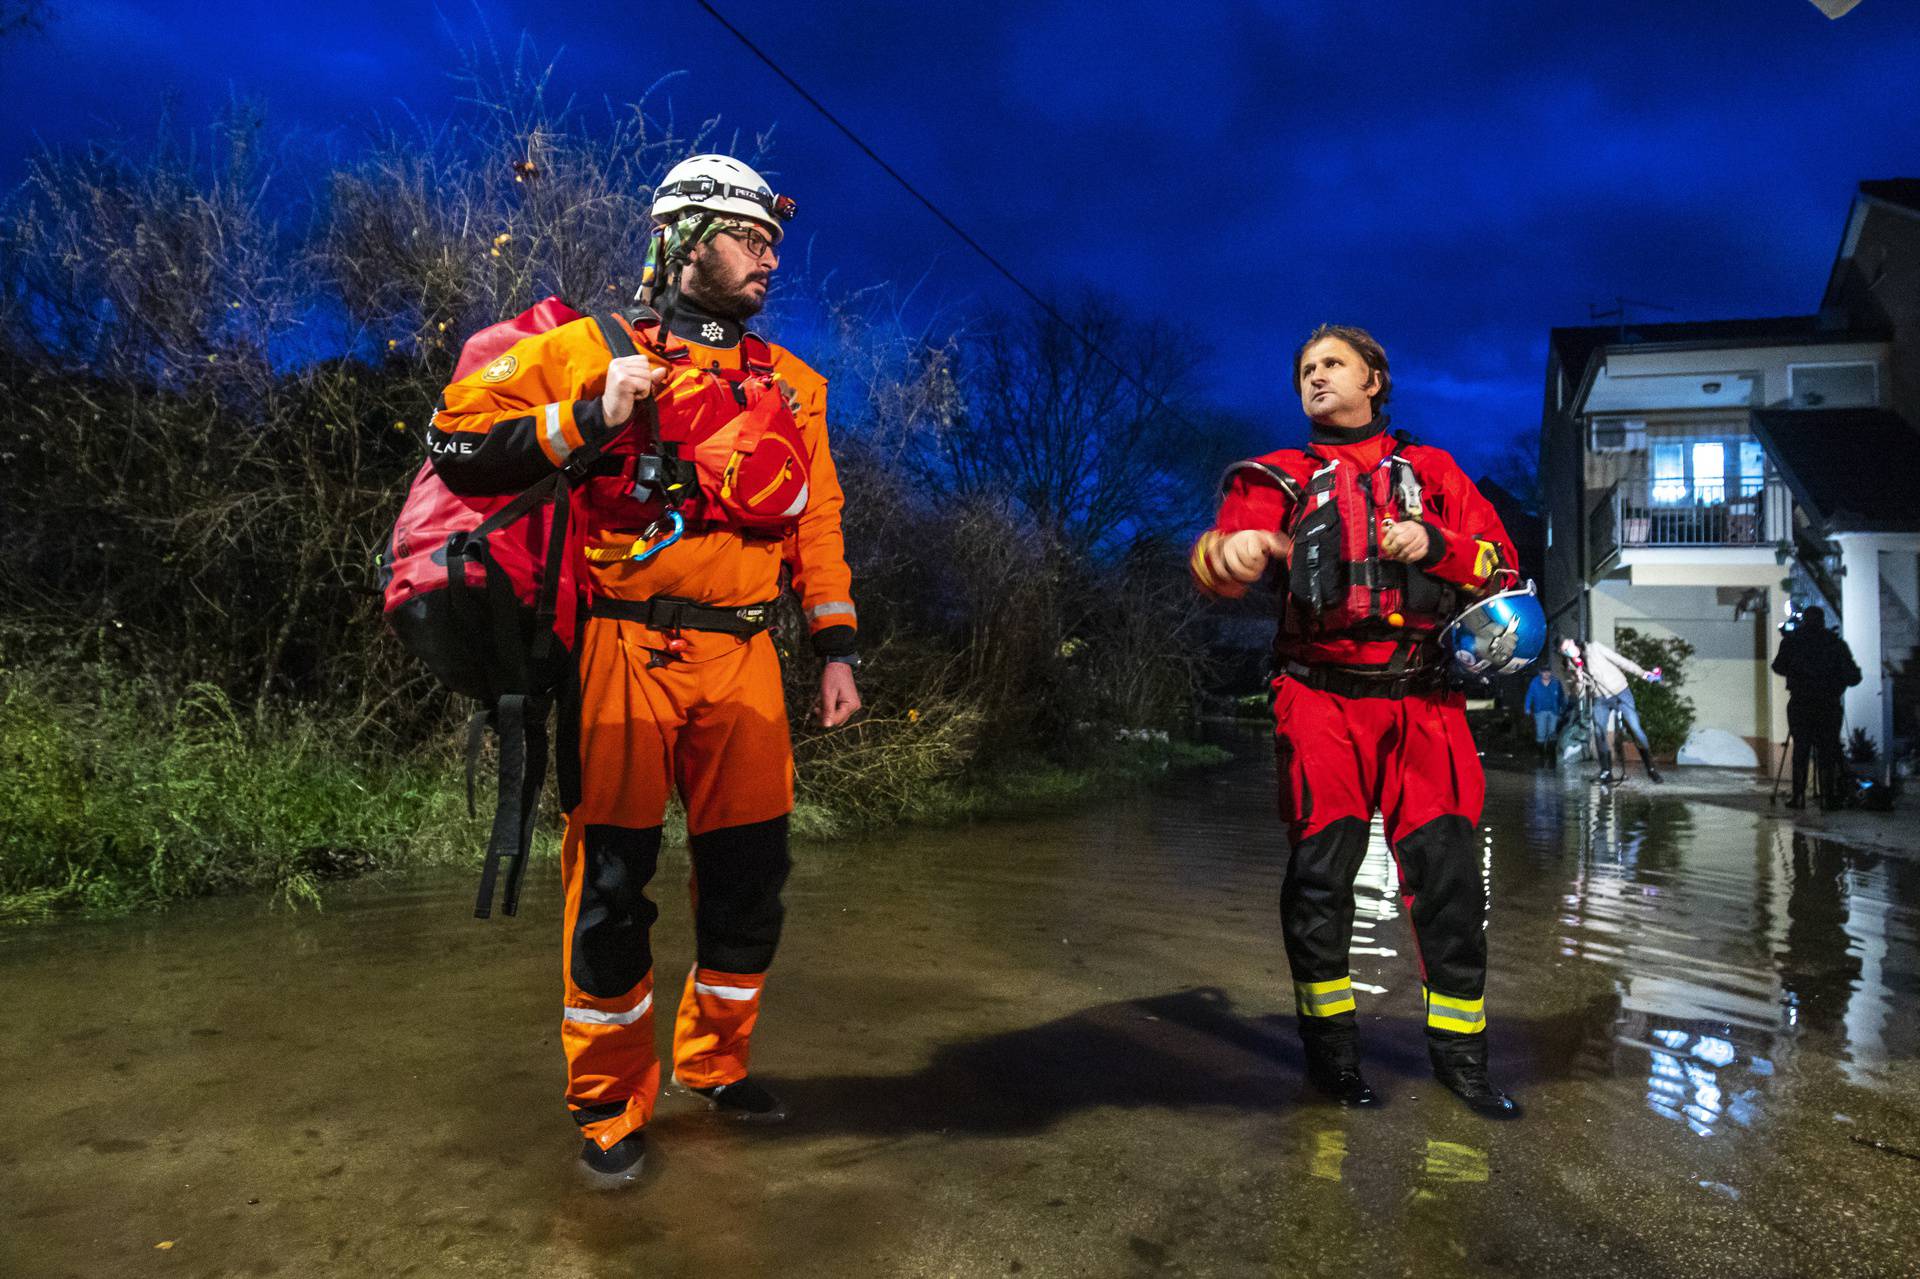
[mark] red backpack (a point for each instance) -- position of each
(488, 590)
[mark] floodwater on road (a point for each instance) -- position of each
(1058, 1046)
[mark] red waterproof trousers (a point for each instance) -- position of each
(1411, 759)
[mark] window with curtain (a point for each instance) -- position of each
(1669, 473)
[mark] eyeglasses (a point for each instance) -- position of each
(753, 240)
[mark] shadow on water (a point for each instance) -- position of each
(1183, 1050)
(1704, 956)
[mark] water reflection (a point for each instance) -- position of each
(1730, 941)
(1376, 902)
(1440, 1163)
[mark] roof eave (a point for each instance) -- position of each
(1835, 337)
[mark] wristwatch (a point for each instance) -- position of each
(851, 660)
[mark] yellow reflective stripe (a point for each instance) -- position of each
(1323, 998)
(1463, 1016)
(1485, 561)
(1464, 1005)
(1322, 987)
(1345, 1004)
(1198, 561)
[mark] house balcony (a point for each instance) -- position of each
(1657, 514)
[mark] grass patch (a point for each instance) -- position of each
(122, 799)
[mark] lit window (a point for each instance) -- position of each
(1709, 472)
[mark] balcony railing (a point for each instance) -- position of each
(1652, 513)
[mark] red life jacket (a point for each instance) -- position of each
(1338, 584)
(719, 445)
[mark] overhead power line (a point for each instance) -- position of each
(992, 261)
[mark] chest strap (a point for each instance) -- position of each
(670, 613)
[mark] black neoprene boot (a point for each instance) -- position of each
(745, 1102)
(1333, 1060)
(616, 1167)
(1460, 1062)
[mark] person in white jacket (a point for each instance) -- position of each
(1602, 674)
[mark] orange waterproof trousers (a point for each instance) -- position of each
(711, 723)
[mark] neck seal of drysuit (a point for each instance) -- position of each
(1348, 434)
(691, 322)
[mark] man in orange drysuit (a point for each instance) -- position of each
(1382, 542)
(679, 683)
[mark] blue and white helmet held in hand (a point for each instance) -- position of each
(1499, 635)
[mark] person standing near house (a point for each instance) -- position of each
(1604, 672)
(1819, 669)
(679, 684)
(1545, 702)
(1382, 542)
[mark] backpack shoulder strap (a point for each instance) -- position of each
(616, 332)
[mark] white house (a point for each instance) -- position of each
(1702, 479)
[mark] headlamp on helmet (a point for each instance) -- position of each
(721, 184)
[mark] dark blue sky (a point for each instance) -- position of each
(1458, 178)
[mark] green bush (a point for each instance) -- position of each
(119, 797)
(1665, 712)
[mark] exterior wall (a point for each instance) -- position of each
(1878, 282)
(1878, 576)
(1728, 679)
(1562, 453)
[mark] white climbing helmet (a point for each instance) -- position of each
(721, 184)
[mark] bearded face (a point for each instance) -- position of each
(728, 274)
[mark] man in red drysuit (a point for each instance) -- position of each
(1381, 542)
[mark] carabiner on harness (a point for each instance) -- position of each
(677, 525)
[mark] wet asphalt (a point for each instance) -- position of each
(1058, 1046)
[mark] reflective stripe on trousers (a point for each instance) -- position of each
(1460, 1016)
(1323, 998)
